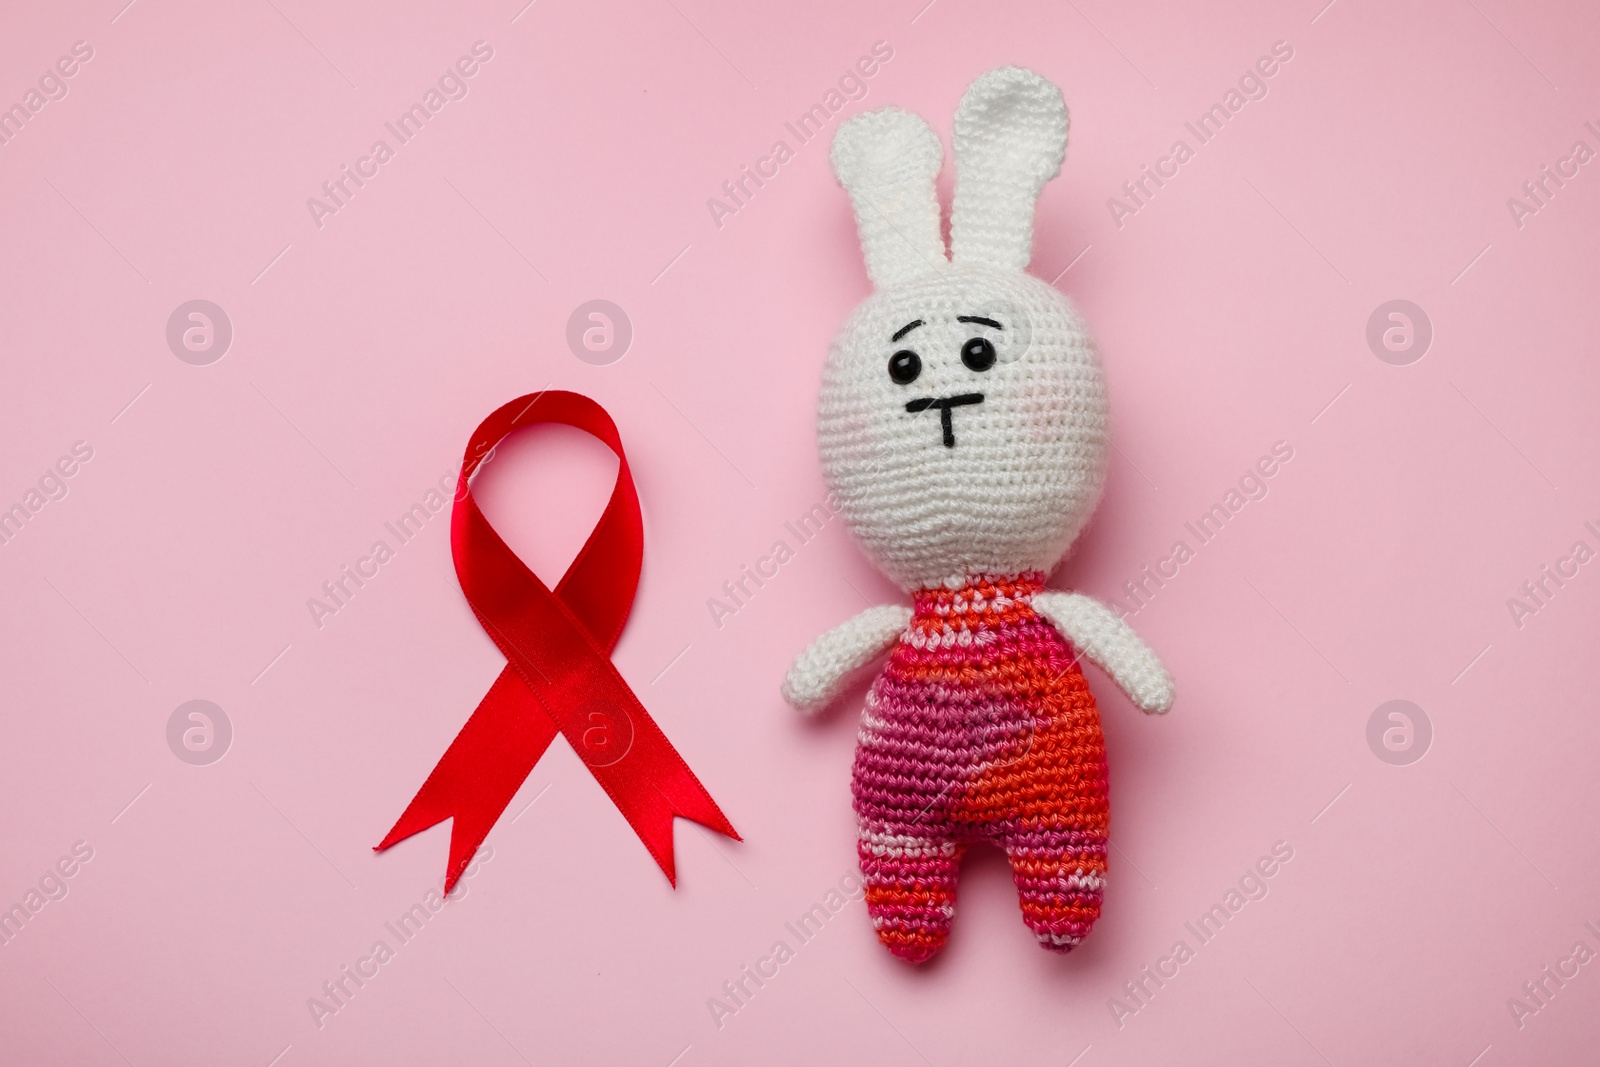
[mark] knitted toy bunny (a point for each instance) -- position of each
(962, 429)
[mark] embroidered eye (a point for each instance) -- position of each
(978, 354)
(905, 365)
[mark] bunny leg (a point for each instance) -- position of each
(910, 887)
(1060, 883)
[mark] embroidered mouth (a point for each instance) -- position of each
(945, 404)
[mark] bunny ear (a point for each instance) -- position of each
(887, 161)
(1011, 135)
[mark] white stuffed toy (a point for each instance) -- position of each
(962, 428)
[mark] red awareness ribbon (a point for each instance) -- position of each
(558, 675)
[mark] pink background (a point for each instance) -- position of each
(1231, 313)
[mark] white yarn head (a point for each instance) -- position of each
(962, 418)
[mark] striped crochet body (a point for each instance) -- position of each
(981, 727)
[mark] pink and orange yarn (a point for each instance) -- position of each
(981, 728)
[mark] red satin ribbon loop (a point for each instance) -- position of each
(558, 676)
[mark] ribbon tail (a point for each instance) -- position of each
(670, 792)
(480, 772)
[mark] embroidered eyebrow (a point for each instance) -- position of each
(980, 320)
(907, 328)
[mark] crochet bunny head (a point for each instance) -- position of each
(962, 417)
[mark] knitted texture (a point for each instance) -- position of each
(1003, 482)
(1010, 138)
(1109, 642)
(888, 160)
(980, 728)
(821, 670)
(962, 429)
(1028, 462)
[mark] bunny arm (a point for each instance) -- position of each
(820, 672)
(1097, 632)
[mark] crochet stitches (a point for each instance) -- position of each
(980, 728)
(1028, 460)
(962, 428)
